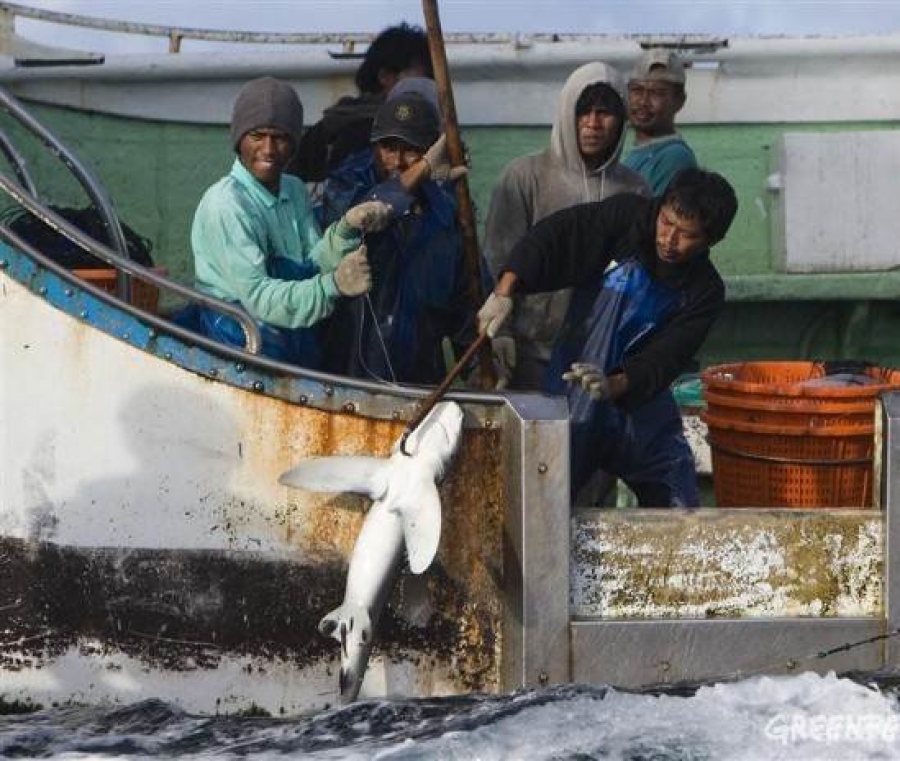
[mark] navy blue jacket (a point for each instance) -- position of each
(419, 296)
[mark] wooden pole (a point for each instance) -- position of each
(435, 396)
(465, 212)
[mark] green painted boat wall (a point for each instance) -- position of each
(156, 173)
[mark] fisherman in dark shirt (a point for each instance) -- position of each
(630, 330)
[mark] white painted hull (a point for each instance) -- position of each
(147, 549)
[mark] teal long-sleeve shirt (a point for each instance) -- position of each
(239, 225)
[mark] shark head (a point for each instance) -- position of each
(437, 436)
(351, 626)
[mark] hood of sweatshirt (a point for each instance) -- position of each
(564, 137)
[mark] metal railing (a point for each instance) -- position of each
(115, 257)
(91, 185)
(348, 40)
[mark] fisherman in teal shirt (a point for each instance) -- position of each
(655, 95)
(256, 242)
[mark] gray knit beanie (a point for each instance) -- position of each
(266, 102)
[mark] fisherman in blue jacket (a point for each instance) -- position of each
(419, 294)
(631, 329)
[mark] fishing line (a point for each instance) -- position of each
(359, 346)
(793, 663)
(381, 343)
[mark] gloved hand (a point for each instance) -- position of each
(494, 313)
(437, 159)
(369, 216)
(591, 378)
(353, 275)
(503, 350)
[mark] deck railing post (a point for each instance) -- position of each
(537, 532)
(888, 439)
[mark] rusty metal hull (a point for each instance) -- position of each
(148, 549)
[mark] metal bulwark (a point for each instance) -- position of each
(536, 547)
(887, 433)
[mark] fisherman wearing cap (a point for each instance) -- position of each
(397, 52)
(256, 242)
(419, 293)
(581, 165)
(655, 95)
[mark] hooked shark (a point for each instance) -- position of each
(405, 513)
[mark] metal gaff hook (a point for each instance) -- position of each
(435, 396)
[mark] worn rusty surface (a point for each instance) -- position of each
(464, 586)
(723, 563)
(127, 450)
(183, 609)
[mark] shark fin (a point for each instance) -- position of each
(422, 528)
(363, 475)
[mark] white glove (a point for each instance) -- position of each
(369, 216)
(503, 350)
(439, 161)
(494, 313)
(353, 275)
(591, 378)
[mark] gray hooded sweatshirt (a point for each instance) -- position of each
(534, 186)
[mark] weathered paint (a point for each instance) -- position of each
(134, 617)
(157, 172)
(656, 564)
(108, 446)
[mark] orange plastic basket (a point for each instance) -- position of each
(778, 443)
(143, 295)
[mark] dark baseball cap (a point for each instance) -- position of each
(408, 117)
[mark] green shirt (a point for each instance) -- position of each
(659, 160)
(239, 225)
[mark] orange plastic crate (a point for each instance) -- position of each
(777, 443)
(143, 295)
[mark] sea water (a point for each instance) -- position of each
(798, 717)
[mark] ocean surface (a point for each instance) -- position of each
(798, 717)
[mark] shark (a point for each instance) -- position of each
(404, 518)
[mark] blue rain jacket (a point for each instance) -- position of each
(645, 445)
(419, 293)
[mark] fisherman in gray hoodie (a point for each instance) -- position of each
(581, 165)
